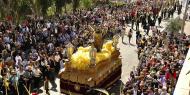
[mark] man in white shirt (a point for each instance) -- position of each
(20, 70)
(18, 60)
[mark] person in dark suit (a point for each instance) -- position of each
(21, 83)
(179, 9)
(50, 74)
(137, 23)
(147, 29)
(132, 22)
(159, 20)
(127, 18)
(164, 12)
(138, 35)
(130, 33)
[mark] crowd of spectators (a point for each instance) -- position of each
(161, 57)
(34, 50)
(159, 64)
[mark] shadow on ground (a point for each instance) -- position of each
(116, 88)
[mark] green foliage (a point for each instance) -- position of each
(35, 7)
(60, 4)
(14, 8)
(69, 8)
(51, 10)
(87, 3)
(76, 4)
(174, 25)
(45, 4)
(24, 8)
(118, 3)
(20, 8)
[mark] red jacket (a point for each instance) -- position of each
(133, 13)
(168, 75)
(34, 94)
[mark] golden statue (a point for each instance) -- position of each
(70, 50)
(92, 55)
(98, 39)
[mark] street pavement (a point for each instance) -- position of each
(129, 57)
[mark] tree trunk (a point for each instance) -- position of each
(65, 8)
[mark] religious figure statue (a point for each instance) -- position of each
(98, 39)
(92, 55)
(70, 50)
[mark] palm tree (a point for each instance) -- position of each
(173, 28)
(174, 25)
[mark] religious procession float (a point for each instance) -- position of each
(96, 66)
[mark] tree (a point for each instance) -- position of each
(45, 4)
(2, 9)
(174, 25)
(51, 10)
(21, 8)
(14, 8)
(173, 28)
(76, 4)
(87, 3)
(35, 7)
(5, 7)
(59, 4)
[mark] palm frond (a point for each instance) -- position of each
(174, 25)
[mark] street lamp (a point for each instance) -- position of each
(115, 41)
